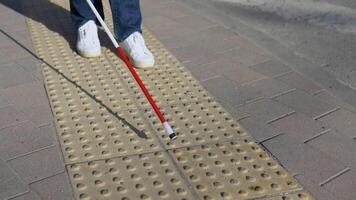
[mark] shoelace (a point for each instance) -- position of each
(83, 35)
(137, 45)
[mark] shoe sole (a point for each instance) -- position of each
(139, 65)
(89, 54)
(143, 64)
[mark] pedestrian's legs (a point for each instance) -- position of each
(126, 17)
(81, 12)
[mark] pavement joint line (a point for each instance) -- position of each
(280, 117)
(253, 81)
(283, 93)
(326, 181)
(251, 101)
(209, 78)
(50, 176)
(281, 74)
(284, 74)
(319, 91)
(271, 138)
(15, 124)
(243, 117)
(326, 113)
(316, 136)
(31, 152)
(18, 194)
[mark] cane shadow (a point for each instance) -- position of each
(60, 26)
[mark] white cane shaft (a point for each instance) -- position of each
(103, 23)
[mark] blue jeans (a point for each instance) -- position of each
(126, 15)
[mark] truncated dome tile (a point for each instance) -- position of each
(196, 123)
(88, 96)
(165, 86)
(144, 176)
(233, 170)
(104, 135)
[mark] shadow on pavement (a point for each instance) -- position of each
(62, 25)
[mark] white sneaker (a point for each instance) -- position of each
(137, 51)
(88, 44)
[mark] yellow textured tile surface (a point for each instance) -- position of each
(232, 170)
(113, 144)
(144, 176)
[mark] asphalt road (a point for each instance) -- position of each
(321, 31)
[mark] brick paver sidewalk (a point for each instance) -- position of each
(307, 129)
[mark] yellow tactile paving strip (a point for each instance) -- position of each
(115, 147)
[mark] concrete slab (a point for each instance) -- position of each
(271, 68)
(21, 139)
(56, 187)
(298, 81)
(38, 165)
(309, 105)
(303, 159)
(343, 121)
(10, 183)
(266, 109)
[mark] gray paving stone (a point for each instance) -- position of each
(306, 103)
(271, 68)
(298, 81)
(10, 183)
(331, 99)
(258, 129)
(25, 95)
(30, 64)
(54, 188)
(168, 9)
(191, 52)
(270, 87)
(343, 121)
(40, 115)
(50, 130)
(3, 102)
(303, 159)
(219, 32)
(199, 72)
(198, 36)
(10, 116)
(314, 188)
(246, 56)
(21, 139)
(234, 71)
(266, 110)
(343, 187)
(299, 126)
(38, 165)
(240, 75)
(12, 74)
(196, 22)
(224, 90)
(14, 52)
(27, 196)
(163, 27)
(337, 146)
